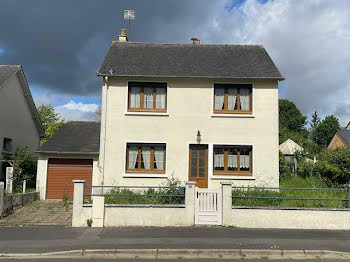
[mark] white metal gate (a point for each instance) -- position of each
(208, 206)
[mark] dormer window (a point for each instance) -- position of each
(232, 98)
(147, 97)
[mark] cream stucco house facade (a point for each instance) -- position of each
(204, 113)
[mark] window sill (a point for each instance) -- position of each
(144, 175)
(233, 115)
(231, 177)
(146, 114)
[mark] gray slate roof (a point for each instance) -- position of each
(188, 60)
(74, 137)
(345, 135)
(6, 71)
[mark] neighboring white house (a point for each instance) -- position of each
(204, 113)
(19, 120)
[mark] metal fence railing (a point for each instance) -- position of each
(138, 194)
(291, 197)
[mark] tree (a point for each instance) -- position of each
(98, 114)
(325, 130)
(48, 115)
(51, 130)
(315, 120)
(26, 170)
(50, 119)
(290, 116)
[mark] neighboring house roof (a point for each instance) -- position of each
(289, 147)
(188, 60)
(345, 134)
(75, 137)
(6, 72)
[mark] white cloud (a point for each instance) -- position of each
(77, 111)
(308, 40)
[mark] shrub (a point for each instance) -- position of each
(338, 169)
(284, 166)
(329, 172)
(305, 169)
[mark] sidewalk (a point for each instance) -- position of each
(53, 239)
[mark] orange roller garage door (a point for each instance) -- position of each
(61, 172)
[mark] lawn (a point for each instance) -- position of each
(291, 182)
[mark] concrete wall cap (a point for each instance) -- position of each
(226, 183)
(78, 181)
(190, 183)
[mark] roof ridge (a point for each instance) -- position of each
(11, 65)
(186, 44)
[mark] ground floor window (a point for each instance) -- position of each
(232, 160)
(145, 158)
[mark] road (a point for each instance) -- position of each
(152, 260)
(51, 239)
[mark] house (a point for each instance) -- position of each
(196, 112)
(20, 122)
(341, 138)
(71, 153)
(203, 113)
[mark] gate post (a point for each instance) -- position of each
(226, 188)
(189, 201)
(78, 200)
(98, 211)
(1, 197)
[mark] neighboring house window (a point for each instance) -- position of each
(7, 145)
(233, 98)
(145, 158)
(233, 160)
(147, 96)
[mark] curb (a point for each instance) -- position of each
(188, 254)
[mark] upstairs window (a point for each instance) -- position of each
(7, 145)
(147, 97)
(145, 158)
(233, 160)
(233, 98)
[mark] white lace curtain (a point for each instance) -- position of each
(148, 97)
(244, 161)
(232, 97)
(135, 97)
(146, 156)
(219, 159)
(160, 98)
(133, 153)
(244, 98)
(232, 161)
(219, 98)
(159, 157)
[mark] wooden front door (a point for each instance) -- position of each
(198, 167)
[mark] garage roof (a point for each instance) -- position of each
(74, 137)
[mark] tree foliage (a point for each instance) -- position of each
(290, 117)
(48, 115)
(325, 130)
(51, 121)
(26, 169)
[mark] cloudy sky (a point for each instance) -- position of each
(61, 44)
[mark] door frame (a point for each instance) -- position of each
(206, 163)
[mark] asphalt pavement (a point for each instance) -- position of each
(51, 239)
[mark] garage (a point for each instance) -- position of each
(61, 172)
(72, 153)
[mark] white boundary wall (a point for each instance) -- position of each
(184, 215)
(131, 215)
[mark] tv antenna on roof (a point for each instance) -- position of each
(129, 15)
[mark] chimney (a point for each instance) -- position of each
(123, 37)
(196, 41)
